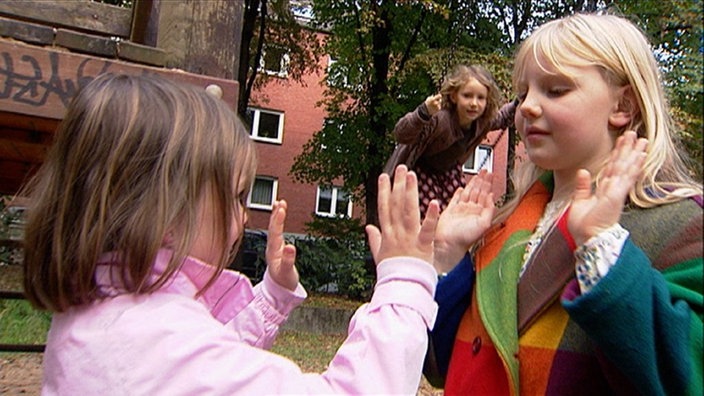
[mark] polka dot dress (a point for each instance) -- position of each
(438, 185)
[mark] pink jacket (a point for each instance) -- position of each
(171, 343)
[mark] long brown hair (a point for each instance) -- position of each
(131, 160)
(459, 76)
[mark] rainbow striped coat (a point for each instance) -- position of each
(639, 331)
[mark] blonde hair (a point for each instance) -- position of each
(624, 56)
(133, 158)
(461, 75)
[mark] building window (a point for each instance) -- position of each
(263, 193)
(333, 202)
(482, 158)
(265, 125)
(336, 76)
(274, 60)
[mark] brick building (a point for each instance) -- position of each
(292, 117)
(284, 116)
(47, 52)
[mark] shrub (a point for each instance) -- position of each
(325, 264)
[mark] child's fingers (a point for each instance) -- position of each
(383, 195)
(276, 227)
(289, 257)
(411, 214)
(284, 271)
(456, 197)
(642, 145)
(396, 199)
(474, 192)
(583, 188)
(427, 228)
(374, 237)
(479, 186)
(488, 203)
(627, 157)
(488, 182)
(476, 180)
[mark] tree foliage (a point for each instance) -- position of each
(392, 54)
(676, 31)
(374, 42)
(274, 24)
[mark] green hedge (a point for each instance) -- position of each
(325, 264)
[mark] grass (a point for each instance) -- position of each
(19, 322)
(331, 301)
(22, 324)
(312, 352)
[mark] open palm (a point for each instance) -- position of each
(466, 218)
(280, 256)
(400, 231)
(592, 213)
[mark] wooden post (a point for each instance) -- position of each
(145, 22)
(201, 37)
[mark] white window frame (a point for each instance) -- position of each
(332, 80)
(333, 205)
(274, 190)
(283, 69)
(254, 129)
(473, 163)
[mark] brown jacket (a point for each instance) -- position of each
(438, 142)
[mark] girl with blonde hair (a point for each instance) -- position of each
(590, 280)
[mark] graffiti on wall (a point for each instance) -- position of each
(41, 82)
(27, 81)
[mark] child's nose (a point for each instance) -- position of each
(529, 107)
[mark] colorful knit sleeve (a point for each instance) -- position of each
(646, 323)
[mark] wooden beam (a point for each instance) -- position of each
(202, 37)
(145, 22)
(40, 81)
(14, 174)
(83, 15)
(22, 150)
(27, 123)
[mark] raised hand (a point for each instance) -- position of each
(590, 213)
(401, 232)
(433, 103)
(280, 256)
(466, 219)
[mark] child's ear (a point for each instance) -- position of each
(625, 109)
(169, 240)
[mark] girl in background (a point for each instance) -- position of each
(437, 138)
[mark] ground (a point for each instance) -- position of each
(20, 373)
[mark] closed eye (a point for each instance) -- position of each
(557, 91)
